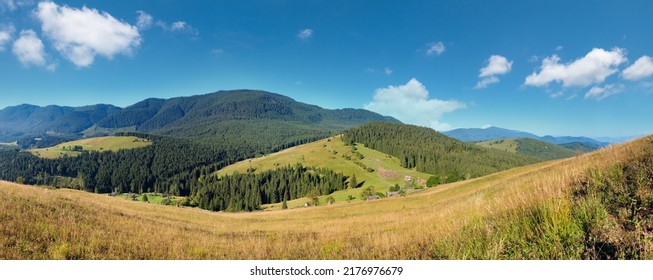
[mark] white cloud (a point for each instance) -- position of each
(6, 32)
(496, 65)
(436, 48)
(558, 48)
(387, 71)
(410, 103)
(600, 93)
(593, 68)
(305, 34)
(486, 82)
(642, 68)
(144, 20)
(82, 34)
(29, 50)
(179, 26)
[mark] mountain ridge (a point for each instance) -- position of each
(212, 115)
(497, 133)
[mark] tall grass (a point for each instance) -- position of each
(552, 210)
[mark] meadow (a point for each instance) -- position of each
(99, 144)
(550, 210)
(371, 168)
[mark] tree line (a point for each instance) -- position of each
(431, 152)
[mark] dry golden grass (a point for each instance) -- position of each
(38, 223)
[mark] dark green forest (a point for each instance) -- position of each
(238, 192)
(429, 151)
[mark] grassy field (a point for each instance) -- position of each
(108, 143)
(531, 212)
(333, 154)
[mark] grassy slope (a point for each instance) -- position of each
(529, 147)
(519, 213)
(108, 143)
(328, 153)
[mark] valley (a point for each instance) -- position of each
(533, 212)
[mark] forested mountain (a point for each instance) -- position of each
(18, 122)
(496, 133)
(266, 121)
(530, 147)
(432, 152)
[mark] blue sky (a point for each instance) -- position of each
(547, 67)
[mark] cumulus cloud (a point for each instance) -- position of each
(6, 32)
(600, 93)
(496, 65)
(29, 50)
(593, 68)
(82, 34)
(305, 34)
(387, 71)
(144, 20)
(410, 103)
(436, 48)
(642, 68)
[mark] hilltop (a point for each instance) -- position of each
(531, 147)
(429, 151)
(371, 168)
(562, 209)
(265, 121)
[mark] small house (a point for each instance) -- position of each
(408, 178)
(373, 197)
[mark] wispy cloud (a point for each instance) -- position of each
(410, 103)
(144, 20)
(82, 34)
(496, 65)
(305, 34)
(642, 68)
(6, 33)
(600, 93)
(435, 48)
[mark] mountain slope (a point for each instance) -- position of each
(429, 151)
(485, 134)
(265, 121)
(532, 212)
(529, 147)
(24, 120)
(371, 168)
(496, 133)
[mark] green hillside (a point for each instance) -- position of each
(108, 143)
(429, 151)
(529, 147)
(371, 168)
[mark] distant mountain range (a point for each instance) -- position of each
(257, 117)
(495, 133)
